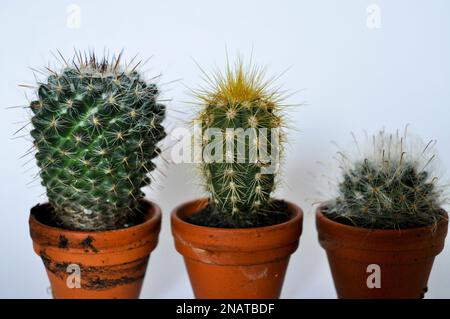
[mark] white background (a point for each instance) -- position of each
(352, 77)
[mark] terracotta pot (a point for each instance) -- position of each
(111, 264)
(404, 257)
(235, 263)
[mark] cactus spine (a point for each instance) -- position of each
(391, 185)
(239, 99)
(95, 129)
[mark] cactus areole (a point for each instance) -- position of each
(241, 106)
(96, 126)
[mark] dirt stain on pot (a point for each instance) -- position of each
(58, 269)
(63, 242)
(45, 259)
(106, 283)
(98, 278)
(87, 244)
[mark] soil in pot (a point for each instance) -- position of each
(235, 263)
(101, 264)
(277, 213)
(375, 263)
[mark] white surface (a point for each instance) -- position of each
(352, 78)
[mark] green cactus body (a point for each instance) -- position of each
(239, 106)
(95, 129)
(391, 188)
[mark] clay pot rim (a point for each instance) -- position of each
(143, 236)
(235, 246)
(152, 219)
(204, 200)
(349, 229)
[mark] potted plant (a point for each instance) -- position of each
(386, 224)
(237, 242)
(96, 125)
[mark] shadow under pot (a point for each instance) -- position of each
(377, 263)
(235, 263)
(95, 264)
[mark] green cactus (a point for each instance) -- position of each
(240, 191)
(95, 129)
(391, 186)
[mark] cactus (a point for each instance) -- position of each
(95, 130)
(391, 185)
(240, 191)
